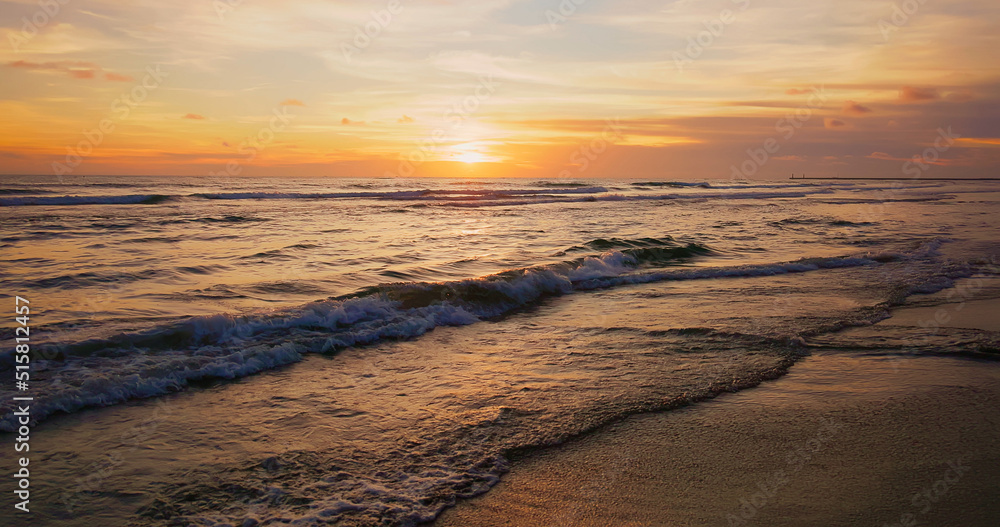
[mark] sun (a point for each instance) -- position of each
(470, 157)
(472, 152)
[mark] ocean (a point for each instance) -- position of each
(280, 351)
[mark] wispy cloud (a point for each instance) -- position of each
(554, 87)
(911, 94)
(853, 108)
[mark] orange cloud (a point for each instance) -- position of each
(833, 123)
(405, 119)
(76, 69)
(851, 107)
(979, 141)
(911, 94)
(346, 121)
(797, 91)
(193, 116)
(58, 66)
(118, 77)
(291, 102)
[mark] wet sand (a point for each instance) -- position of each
(841, 440)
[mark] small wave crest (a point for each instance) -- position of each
(431, 195)
(132, 199)
(671, 184)
(165, 358)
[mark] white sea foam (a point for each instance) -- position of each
(226, 346)
(166, 358)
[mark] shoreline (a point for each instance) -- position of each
(839, 440)
(807, 448)
(842, 438)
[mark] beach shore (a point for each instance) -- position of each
(841, 440)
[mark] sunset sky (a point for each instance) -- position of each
(501, 88)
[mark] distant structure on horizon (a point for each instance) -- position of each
(836, 175)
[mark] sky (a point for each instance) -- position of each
(688, 89)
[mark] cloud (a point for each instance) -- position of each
(979, 141)
(765, 104)
(588, 78)
(851, 107)
(63, 65)
(346, 121)
(911, 94)
(831, 123)
(790, 158)
(193, 116)
(118, 77)
(943, 162)
(962, 95)
(76, 69)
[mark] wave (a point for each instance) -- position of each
(109, 278)
(819, 221)
(169, 357)
(463, 197)
(132, 199)
(462, 194)
(231, 218)
(673, 184)
(619, 243)
(643, 250)
(561, 184)
(623, 197)
(154, 199)
(736, 185)
(4, 191)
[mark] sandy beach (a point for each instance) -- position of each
(841, 440)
